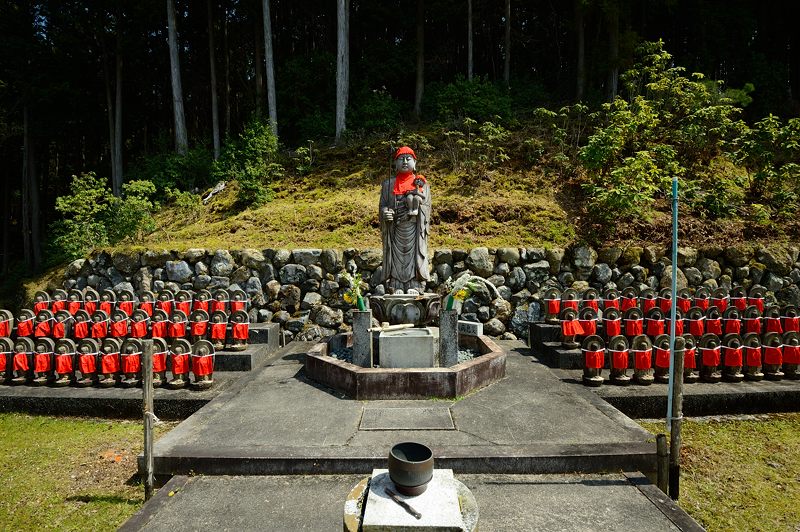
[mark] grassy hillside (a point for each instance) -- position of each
(336, 205)
(513, 203)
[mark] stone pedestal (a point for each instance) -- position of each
(407, 348)
(438, 505)
(362, 338)
(397, 309)
(448, 337)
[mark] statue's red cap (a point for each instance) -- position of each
(405, 150)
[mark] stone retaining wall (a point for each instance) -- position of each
(302, 289)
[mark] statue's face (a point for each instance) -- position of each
(405, 163)
(178, 350)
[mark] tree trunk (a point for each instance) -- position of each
(30, 198)
(214, 107)
(271, 99)
(6, 224)
(580, 82)
(112, 141)
(469, 40)
(507, 57)
(118, 179)
(420, 85)
(26, 202)
(613, 50)
(181, 139)
(259, 68)
(227, 75)
(342, 66)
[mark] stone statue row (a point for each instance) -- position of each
(105, 363)
(731, 357)
(108, 300)
(229, 332)
(655, 321)
(200, 316)
(556, 302)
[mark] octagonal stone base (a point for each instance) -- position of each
(407, 383)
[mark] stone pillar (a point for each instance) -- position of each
(448, 337)
(362, 338)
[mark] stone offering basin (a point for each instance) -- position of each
(406, 383)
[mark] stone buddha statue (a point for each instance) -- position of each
(405, 217)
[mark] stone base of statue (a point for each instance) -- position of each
(396, 309)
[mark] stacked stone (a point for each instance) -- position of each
(302, 289)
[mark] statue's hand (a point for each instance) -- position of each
(388, 215)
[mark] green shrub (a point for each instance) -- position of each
(770, 151)
(132, 214)
(251, 160)
(171, 170)
(92, 217)
(670, 125)
(376, 110)
(477, 147)
(304, 158)
(478, 99)
(187, 203)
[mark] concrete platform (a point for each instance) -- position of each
(109, 402)
(506, 502)
(127, 402)
(275, 421)
(246, 360)
(699, 399)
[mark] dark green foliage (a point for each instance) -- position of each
(171, 170)
(771, 151)
(250, 160)
(376, 111)
(478, 99)
(669, 125)
(93, 217)
(186, 203)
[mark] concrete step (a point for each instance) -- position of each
(618, 501)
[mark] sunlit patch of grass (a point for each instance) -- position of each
(341, 211)
(741, 474)
(68, 473)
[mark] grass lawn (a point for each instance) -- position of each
(68, 473)
(741, 474)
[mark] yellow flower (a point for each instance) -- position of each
(348, 298)
(461, 295)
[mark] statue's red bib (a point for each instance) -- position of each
(405, 182)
